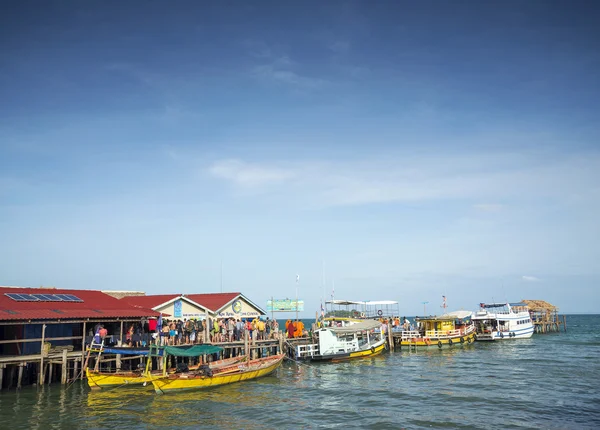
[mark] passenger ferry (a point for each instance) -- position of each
(343, 339)
(497, 321)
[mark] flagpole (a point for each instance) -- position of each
(297, 280)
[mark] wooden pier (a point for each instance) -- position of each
(545, 317)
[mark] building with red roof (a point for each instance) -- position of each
(198, 306)
(60, 317)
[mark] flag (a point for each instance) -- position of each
(159, 323)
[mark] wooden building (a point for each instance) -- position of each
(44, 328)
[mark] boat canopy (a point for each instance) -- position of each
(192, 351)
(461, 315)
(127, 351)
(520, 304)
(353, 328)
(343, 302)
(367, 303)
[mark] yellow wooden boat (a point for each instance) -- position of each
(97, 379)
(453, 328)
(224, 375)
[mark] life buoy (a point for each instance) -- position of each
(450, 342)
(427, 341)
(439, 344)
(379, 312)
(501, 335)
(372, 350)
(362, 315)
(469, 340)
(462, 340)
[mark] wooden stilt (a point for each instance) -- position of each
(281, 342)
(20, 376)
(1, 375)
(50, 369)
(11, 376)
(565, 323)
(121, 336)
(63, 373)
(75, 369)
(390, 336)
(41, 382)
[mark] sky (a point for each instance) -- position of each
(379, 150)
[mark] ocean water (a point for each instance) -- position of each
(549, 381)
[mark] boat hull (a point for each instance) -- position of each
(97, 380)
(374, 350)
(506, 335)
(439, 342)
(251, 370)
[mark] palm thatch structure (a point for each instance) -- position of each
(545, 316)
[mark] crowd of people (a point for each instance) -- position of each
(191, 331)
(186, 331)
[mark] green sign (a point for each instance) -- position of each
(285, 305)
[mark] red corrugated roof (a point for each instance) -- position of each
(95, 304)
(148, 302)
(212, 301)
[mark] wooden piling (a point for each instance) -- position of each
(20, 376)
(281, 342)
(41, 375)
(50, 369)
(390, 337)
(63, 373)
(1, 375)
(75, 369)
(11, 376)
(118, 362)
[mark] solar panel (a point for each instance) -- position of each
(46, 297)
(71, 298)
(43, 297)
(15, 297)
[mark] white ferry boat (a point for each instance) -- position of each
(343, 340)
(497, 321)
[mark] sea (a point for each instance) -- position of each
(550, 381)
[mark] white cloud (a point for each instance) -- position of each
(406, 178)
(248, 175)
(528, 278)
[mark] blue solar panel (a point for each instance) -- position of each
(43, 297)
(72, 297)
(46, 297)
(15, 297)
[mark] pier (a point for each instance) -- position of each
(545, 317)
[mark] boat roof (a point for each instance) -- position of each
(499, 305)
(369, 302)
(458, 314)
(360, 326)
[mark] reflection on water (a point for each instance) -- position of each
(453, 387)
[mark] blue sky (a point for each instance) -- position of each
(412, 150)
